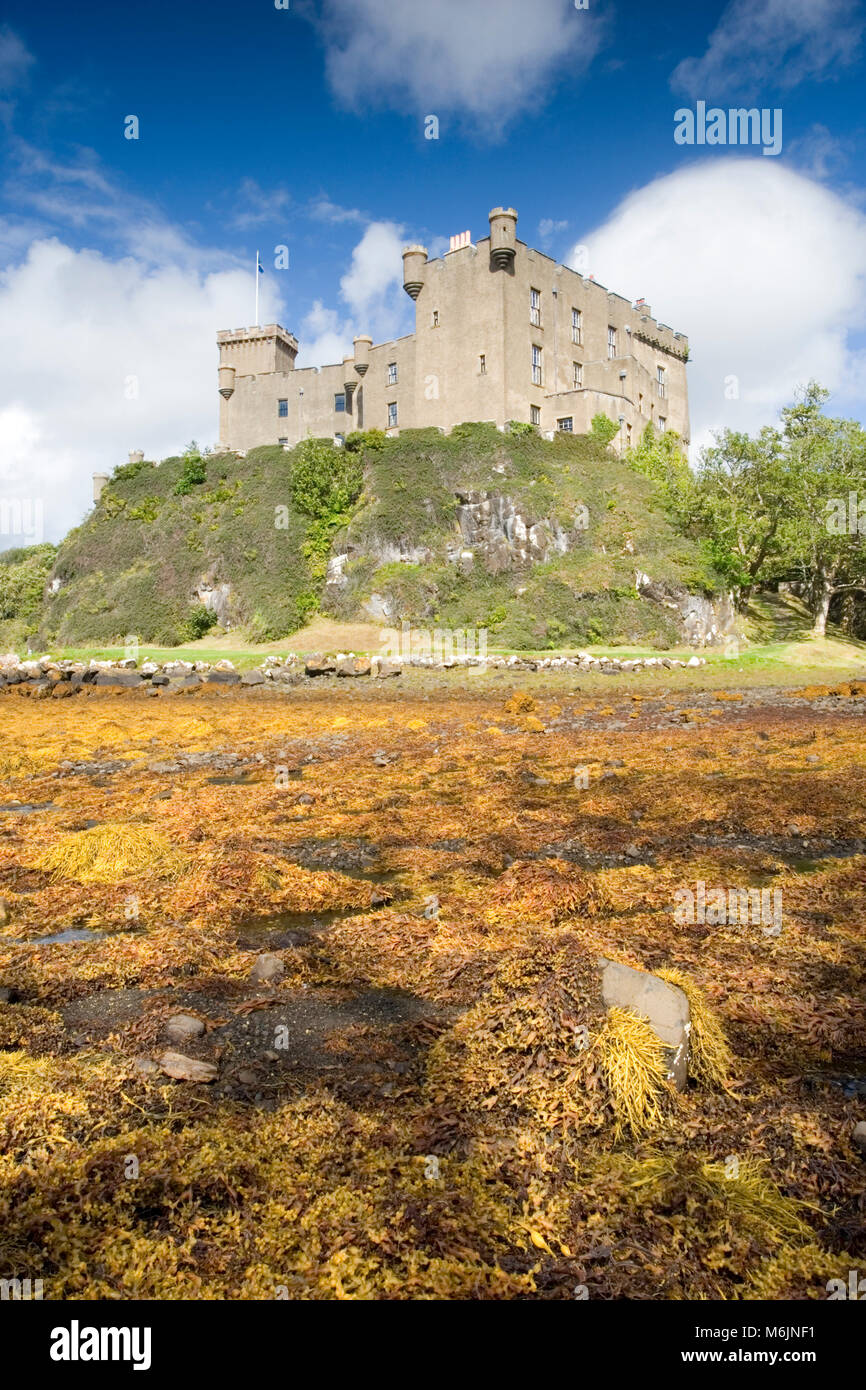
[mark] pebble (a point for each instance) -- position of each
(267, 967)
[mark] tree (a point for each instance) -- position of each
(825, 527)
(659, 456)
(743, 494)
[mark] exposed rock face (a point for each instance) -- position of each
(705, 622)
(498, 535)
(664, 1006)
(216, 598)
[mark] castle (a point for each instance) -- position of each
(501, 333)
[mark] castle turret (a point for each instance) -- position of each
(99, 482)
(414, 270)
(362, 347)
(227, 381)
(503, 238)
(349, 382)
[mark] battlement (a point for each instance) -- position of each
(253, 350)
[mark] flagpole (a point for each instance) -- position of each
(257, 290)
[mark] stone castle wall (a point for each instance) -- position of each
(470, 357)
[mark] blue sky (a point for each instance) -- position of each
(120, 259)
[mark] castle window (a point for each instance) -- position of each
(340, 401)
(435, 318)
(392, 415)
(392, 374)
(339, 440)
(663, 423)
(536, 365)
(660, 380)
(576, 326)
(566, 424)
(282, 441)
(535, 307)
(482, 364)
(577, 380)
(282, 409)
(535, 415)
(640, 402)
(611, 341)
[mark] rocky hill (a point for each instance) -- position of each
(544, 543)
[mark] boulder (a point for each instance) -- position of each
(182, 683)
(320, 666)
(125, 679)
(383, 668)
(254, 677)
(664, 1006)
(182, 1068)
(221, 677)
(858, 1138)
(353, 666)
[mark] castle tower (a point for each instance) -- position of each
(249, 352)
(252, 351)
(503, 238)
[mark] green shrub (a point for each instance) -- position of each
(603, 428)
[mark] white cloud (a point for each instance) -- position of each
(486, 61)
(15, 59)
(548, 228)
(77, 193)
(324, 337)
(102, 355)
(763, 269)
(254, 205)
(322, 209)
(758, 43)
(373, 285)
(79, 335)
(820, 153)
